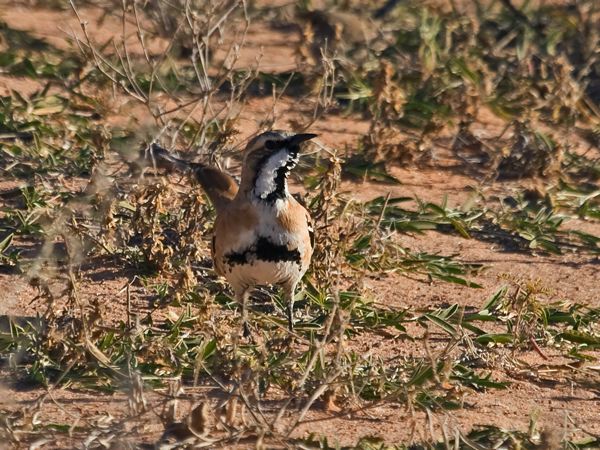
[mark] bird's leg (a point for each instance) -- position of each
(289, 291)
(241, 296)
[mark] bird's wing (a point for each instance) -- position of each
(219, 186)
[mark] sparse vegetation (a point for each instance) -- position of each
(105, 262)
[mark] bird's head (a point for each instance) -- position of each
(268, 159)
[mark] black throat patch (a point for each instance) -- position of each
(264, 250)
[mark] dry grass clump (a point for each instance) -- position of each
(88, 209)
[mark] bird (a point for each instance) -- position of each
(262, 235)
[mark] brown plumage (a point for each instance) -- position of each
(262, 235)
(220, 187)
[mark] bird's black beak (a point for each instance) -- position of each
(299, 138)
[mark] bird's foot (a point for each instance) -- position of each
(246, 330)
(247, 333)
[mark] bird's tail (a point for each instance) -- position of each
(220, 187)
(157, 156)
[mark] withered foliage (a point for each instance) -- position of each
(499, 92)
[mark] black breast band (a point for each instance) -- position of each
(264, 250)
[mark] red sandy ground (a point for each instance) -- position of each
(563, 404)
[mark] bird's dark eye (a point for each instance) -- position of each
(273, 145)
